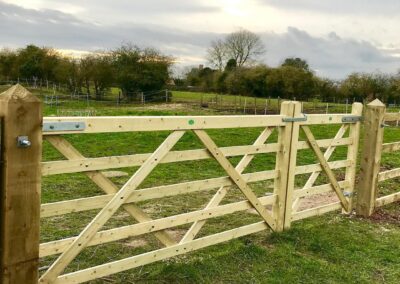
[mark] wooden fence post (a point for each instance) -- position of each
(370, 157)
(21, 114)
(285, 165)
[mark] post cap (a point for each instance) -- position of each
(376, 103)
(18, 92)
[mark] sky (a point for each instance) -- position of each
(336, 37)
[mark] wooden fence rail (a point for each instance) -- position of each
(276, 210)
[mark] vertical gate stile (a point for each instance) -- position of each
(352, 151)
(285, 165)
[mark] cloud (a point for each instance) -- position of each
(330, 55)
(366, 7)
(22, 26)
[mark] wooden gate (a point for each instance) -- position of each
(276, 210)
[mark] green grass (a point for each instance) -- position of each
(333, 248)
(248, 105)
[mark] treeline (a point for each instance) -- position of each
(128, 67)
(234, 70)
(292, 80)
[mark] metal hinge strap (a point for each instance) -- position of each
(63, 126)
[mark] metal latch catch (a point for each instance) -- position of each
(295, 119)
(352, 118)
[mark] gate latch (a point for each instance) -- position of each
(295, 119)
(352, 118)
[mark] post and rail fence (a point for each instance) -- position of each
(23, 128)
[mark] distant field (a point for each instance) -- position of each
(247, 104)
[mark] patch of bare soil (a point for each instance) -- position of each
(176, 234)
(136, 243)
(164, 107)
(383, 216)
(111, 174)
(317, 200)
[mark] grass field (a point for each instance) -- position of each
(333, 248)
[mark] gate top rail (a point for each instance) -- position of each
(102, 124)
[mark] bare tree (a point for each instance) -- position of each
(243, 46)
(216, 54)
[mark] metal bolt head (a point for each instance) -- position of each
(23, 142)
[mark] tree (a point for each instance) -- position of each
(230, 65)
(367, 86)
(291, 82)
(297, 63)
(8, 64)
(244, 46)
(102, 74)
(216, 54)
(140, 70)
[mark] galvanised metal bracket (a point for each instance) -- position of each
(295, 119)
(352, 118)
(347, 193)
(63, 126)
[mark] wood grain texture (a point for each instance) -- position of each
(21, 114)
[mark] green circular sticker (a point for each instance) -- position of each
(191, 122)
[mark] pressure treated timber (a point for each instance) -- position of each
(114, 162)
(390, 147)
(328, 153)
(352, 155)
(96, 202)
(20, 180)
(370, 157)
(146, 258)
(392, 116)
(323, 188)
(317, 211)
(389, 174)
(381, 201)
(71, 153)
(223, 190)
(59, 246)
(236, 177)
(326, 168)
(111, 124)
(112, 206)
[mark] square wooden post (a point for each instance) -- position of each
(21, 150)
(370, 157)
(286, 165)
